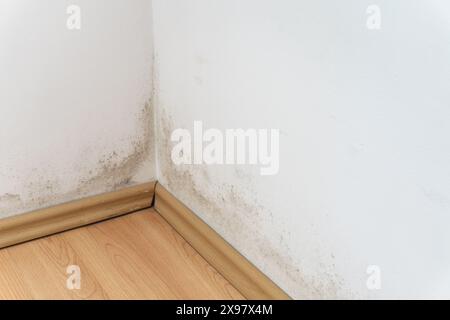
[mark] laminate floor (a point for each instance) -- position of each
(136, 256)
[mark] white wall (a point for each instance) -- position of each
(75, 108)
(364, 117)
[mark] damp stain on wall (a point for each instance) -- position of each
(10, 200)
(115, 169)
(235, 211)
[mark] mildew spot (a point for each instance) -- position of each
(115, 170)
(235, 211)
(41, 190)
(8, 200)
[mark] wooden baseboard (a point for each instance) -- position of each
(243, 275)
(74, 214)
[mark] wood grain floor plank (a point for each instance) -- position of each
(57, 253)
(123, 271)
(137, 256)
(12, 285)
(178, 250)
(40, 283)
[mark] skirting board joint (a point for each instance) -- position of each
(234, 267)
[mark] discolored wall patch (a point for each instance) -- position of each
(8, 200)
(81, 124)
(235, 211)
(115, 169)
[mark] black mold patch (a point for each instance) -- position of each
(114, 171)
(238, 214)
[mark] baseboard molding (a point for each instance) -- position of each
(242, 274)
(74, 214)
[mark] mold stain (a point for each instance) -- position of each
(115, 170)
(41, 190)
(236, 212)
(10, 200)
